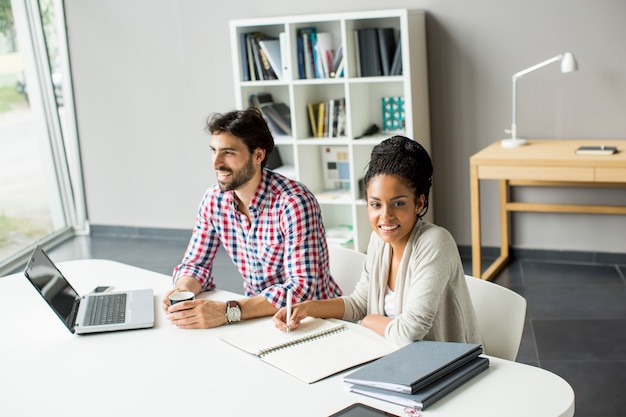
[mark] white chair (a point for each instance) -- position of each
(345, 266)
(501, 314)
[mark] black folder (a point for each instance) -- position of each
(415, 365)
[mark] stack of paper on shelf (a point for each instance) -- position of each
(420, 373)
(277, 115)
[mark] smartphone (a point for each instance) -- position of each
(361, 410)
(100, 289)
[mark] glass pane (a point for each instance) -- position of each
(30, 207)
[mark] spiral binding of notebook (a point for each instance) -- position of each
(308, 338)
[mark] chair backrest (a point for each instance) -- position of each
(501, 314)
(345, 266)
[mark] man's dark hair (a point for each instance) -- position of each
(406, 159)
(247, 125)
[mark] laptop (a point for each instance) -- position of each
(92, 313)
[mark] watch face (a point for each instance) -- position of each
(233, 313)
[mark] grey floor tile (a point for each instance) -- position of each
(559, 273)
(581, 340)
(528, 349)
(598, 386)
(576, 302)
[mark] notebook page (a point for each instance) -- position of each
(325, 356)
(263, 336)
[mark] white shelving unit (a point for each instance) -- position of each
(363, 95)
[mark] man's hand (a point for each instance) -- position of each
(185, 283)
(197, 314)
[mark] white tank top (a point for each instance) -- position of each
(390, 307)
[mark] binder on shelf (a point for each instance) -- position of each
(284, 56)
(432, 392)
(328, 346)
(369, 52)
(387, 47)
(396, 66)
(415, 365)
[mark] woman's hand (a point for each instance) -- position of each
(298, 313)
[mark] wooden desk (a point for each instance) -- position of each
(540, 163)
(166, 371)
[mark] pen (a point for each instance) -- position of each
(288, 320)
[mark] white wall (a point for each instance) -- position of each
(148, 72)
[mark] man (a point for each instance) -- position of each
(270, 226)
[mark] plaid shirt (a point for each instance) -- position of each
(282, 246)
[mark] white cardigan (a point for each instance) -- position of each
(432, 301)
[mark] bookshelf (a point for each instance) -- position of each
(343, 152)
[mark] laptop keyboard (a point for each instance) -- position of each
(106, 309)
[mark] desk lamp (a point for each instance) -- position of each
(568, 64)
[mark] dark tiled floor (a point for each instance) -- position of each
(575, 327)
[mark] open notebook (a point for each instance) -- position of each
(315, 350)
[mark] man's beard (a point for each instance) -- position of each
(238, 178)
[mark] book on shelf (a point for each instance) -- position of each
(278, 115)
(256, 65)
(243, 49)
(308, 36)
(324, 54)
(318, 348)
(327, 118)
(316, 53)
(271, 48)
(337, 63)
(415, 365)
(596, 150)
(431, 393)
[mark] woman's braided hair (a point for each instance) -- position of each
(404, 158)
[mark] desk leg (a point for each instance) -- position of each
(501, 261)
(475, 220)
(504, 219)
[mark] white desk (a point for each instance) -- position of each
(44, 368)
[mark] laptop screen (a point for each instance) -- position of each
(53, 287)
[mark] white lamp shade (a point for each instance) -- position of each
(568, 64)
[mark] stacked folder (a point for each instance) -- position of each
(420, 373)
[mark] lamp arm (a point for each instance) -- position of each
(518, 75)
(536, 67)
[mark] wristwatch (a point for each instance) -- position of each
(233, 312)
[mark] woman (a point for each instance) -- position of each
(413, 285)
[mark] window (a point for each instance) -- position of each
(40, 182)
